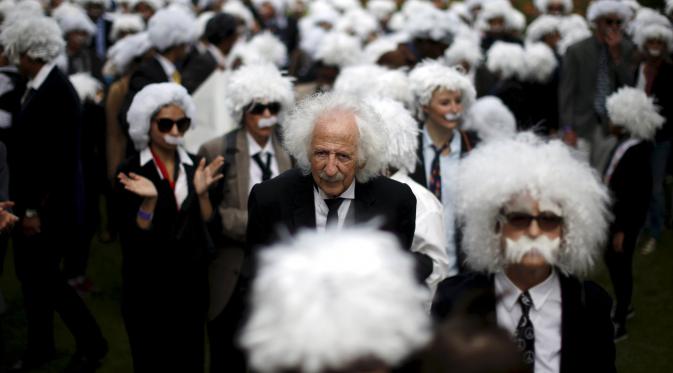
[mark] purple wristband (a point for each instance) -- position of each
(144, 215)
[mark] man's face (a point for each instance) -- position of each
(166, 136)
(333, 152)
(655, 48)
(609, 24)
(445, 108)
(555, 8)
(260, 118)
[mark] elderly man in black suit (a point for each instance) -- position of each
(48, 199)
(334, 141)
(529, 232)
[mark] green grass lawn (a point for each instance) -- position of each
(647, 349)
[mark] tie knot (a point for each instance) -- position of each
(333, 203)
(525, 301)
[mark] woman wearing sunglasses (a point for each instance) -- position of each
(162, 193)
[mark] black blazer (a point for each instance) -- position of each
(586, 328)
(662, 90)
(197, 70)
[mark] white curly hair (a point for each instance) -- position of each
(256, 83)
(124, 51)
(542, 5)
(87, 87)
(506, 59)
(148, 102)
(464, 49)
(669, 7)
(600, 8)
(38, 37)
(540, 62)
(429, 76)
(502, 169)
(128, 23)
(631, 109)
(327, 300)
(401, 131)
(541, 26)
(653, 31)
(170, 27)
(339, 49)
(298, 131)
(73, 18)
(490, 119)
(375, 80)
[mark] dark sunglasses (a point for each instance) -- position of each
(546, 221)
(613, 21)
(258, 109)
(166, 125)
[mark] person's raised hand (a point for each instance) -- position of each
(137, 184)
(206, 176)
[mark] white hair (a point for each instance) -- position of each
(645, 17)
(154, 4)
(600, 8)
(126, 23)
(541, 26)
(401, 131)
(269, 48)
(170, 27)
(298, 131)
(278, 5)
(87, 86)
(540, 62)
(148, 102)
(377, 48)
(429, 76)
(516, 20)
(490, 119)
(424, 21)
(499, 170)
(653, 31)
(237, 9)
(506, 59)
(542, 5)
(493, 9)
(359, 23)
(632, 109)
(121, 53)
(381, 9)
(669, 6)
(73, 18)
(38, 37)
(255, 83)
(375, 80)
(573, 29)
(464, 49)
(330, 299)
(339, 49)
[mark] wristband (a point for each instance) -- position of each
(144, 215)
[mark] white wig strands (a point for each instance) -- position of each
(357, 80)
(236, 8)
(542, 5)
(171, 27)
(669, 7)
(600, 8)
(506, 59)
(430, 76)
(359, 23)
(491, 119)
(381, 9)
(357, 285)
(38, 37)
(339, 49)
(126, 23)
(497, 171)
(298, 131)
(269, 48)
(148, 102)
(541, 26)
(256, 83)
(73, 18)
(655, 31)
(126, 50)
(647, 16)
(401, 130)
(377, 48)
(493, 9)
(540, 62)
(632, 109)
(573, 29)
(464, 50)
(87, 87)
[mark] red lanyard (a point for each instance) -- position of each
(162, 169)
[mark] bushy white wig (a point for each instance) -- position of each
(669, 7)
(73, 18)
(654, 31)
(154, 4)
(401, 131)
(381, 9)
(493, 9)
(540, 62)
(600, 8)
(490, 119)
(645, 17)
(506, 59)
(541, 26)
(574, 28)
(298, 131)
(126, 23)
(377, 48)
(499, 170)
(269, 48)
(429, 76)
(424, 21)
(339, 49)
(256, 83)
(87, 87)
(330, 299)
(120, 55)
(170, 27)
(359, 23)
(632, 109)
(375, 80)
(236, 8)
(38, 37)
(464, 49)
(542, 5)
(148, 102)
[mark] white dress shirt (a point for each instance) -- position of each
(255, 170)
(181, 188)
(545, 316)
(168, 66)
(321, 208)
(40, 77)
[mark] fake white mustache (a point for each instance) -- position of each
(453, 117)
(173, 140)
(331, 179)
(267, 122)
(542, 245)
(654, 52)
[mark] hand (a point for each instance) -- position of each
(618, 242)
(206, 176)
(31, 226)
(570, 138)
(139, 185)
(7, 219)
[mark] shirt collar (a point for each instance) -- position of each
(454, 145)
(217, 55)
(349, 193)
(41, 76)
(168, 66)
(146, 156)
(254, 148)
(549, 289)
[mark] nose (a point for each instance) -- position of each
(266, 113)
(174, 130)
(534, 229)
(331, 166)
(454, 108)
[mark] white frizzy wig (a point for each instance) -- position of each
(541, 26)
(73, 18)
(269, 48)
(327, 300)
(542, 5)
(493, 9)
(655, 31)
(381, 9)
(148, 102)
(339, 49)
(632, 109)
(170, 27)
(490, 119)
(429, 76)
(124, 51)
(401, 130)
(600, 8)
(38, 37)
(298, 131)
(375, 80)
(256, 83)
(500, 170)
(540, 62)
(464, 49)
(669, 7)
(126, 23)
(154, 4)
(87, 87)
(506, 59)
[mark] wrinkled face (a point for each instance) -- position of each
(260, 119)
(333, 152)
(166, 138)
(530, 232)
(445, 108)
(655, 48)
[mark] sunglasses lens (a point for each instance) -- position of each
(164, 124)
(519, 221)
(549, 222)
(257, 109)
(183, 124)
(274, 108)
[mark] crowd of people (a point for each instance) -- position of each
(335, 185)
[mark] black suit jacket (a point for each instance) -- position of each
(586, 327)
(662, 90)
(197, 70)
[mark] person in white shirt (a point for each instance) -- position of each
(535, 219)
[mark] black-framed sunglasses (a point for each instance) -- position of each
(546, 220)
(258, 108)
(166, 124)
(613, 21)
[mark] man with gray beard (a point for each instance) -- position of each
(534, 219)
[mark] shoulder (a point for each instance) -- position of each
(282, 185)
(213, 147)
(464, 288)
(381, 184)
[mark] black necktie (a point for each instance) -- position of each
(333, 206)
(265, 167)
(435, 184)
(525, 334)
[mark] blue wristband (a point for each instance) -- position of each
(144, 215)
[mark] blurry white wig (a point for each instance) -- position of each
(170, 27)
(126, 23)
(645, 17)
(236, 8)
(257, 83)
(154, 4)
(339, 49)
(375, 80)
(573, 29)
(148, 102)
(542, 5)
(600, 8)
(464, 49)
(669, 7)
(654, 31)
(499, 170)
(506, 59)
(87, 87)
(541, 26)
(631, 109)
(377, 48)
(493, 9)
(381, 9)
(326, 300)
(73, 18)
(298, 131)
(540, 62)
(359, 23)
(121, 53)
(269, 48)
(490, 119)
(401, 130)
(38, 37)
(429, 76)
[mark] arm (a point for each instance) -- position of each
(144, 188)
(115, 141)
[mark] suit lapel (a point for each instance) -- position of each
(282, 158)
(304, 209)
(362, 203)
(419, 173)
(242, 159)
(571, 323)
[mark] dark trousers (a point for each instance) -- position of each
(223, 332)
(620, 266)
(45, 290)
